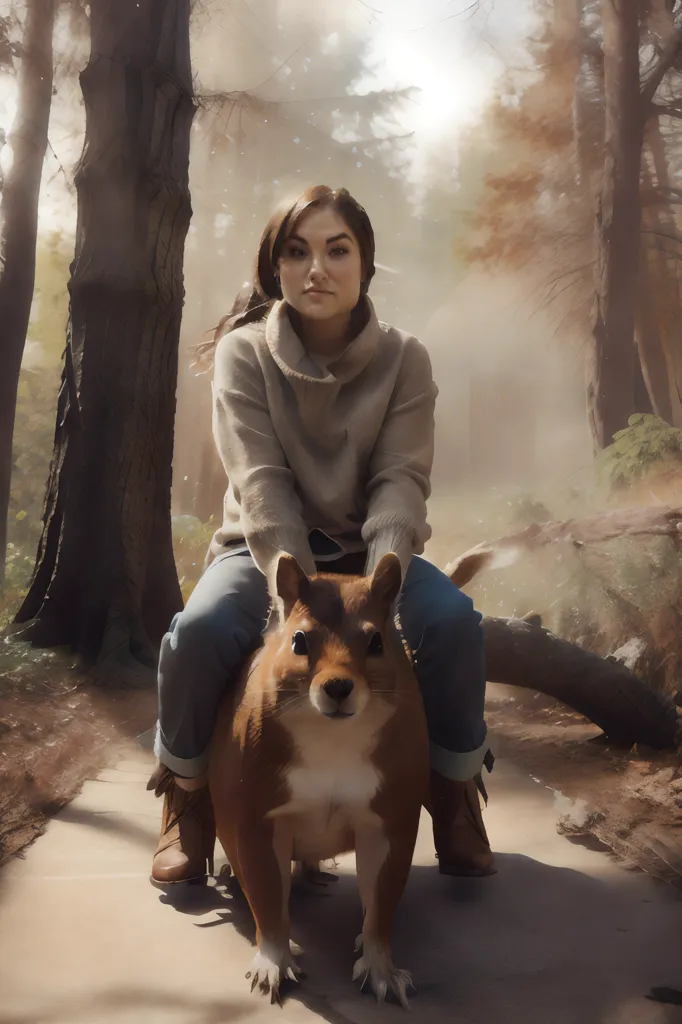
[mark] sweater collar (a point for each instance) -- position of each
(293, 360)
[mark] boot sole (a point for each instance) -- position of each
(180, 884)
(457, 872)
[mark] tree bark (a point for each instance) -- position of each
(611, 375)
(105, 582)
(524, 654)
(19, 216)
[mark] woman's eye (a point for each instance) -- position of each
(296, 254)
(340, 251)
(375, 648)
(299, 643)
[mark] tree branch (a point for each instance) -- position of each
(521, 653)
(671, 236)
(662, 194)
(662, 110)
(662, 66)
(632, 522)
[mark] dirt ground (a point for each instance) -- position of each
(628, 801)
(57, 730)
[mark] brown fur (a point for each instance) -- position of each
(289, 783)
(468, 565)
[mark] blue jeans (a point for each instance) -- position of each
(223, 621)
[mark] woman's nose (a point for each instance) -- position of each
(318, 267)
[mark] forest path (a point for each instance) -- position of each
(562, 935)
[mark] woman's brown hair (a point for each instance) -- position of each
(255, 302)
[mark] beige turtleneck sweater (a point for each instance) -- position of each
(345, 449)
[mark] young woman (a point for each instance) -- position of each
(324, 420)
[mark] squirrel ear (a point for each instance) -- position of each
(387, 579)
(290, 580)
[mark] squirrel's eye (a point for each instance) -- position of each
(375, 647)
(299, 644)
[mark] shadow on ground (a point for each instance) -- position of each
(535, 944)
(124, 1003)
(113, 823)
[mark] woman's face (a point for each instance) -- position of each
(320, 268)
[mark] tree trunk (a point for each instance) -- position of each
(105, 582)
(663, 287)
(19, 215)
(211, 484)
(194, 400)
(521, 653)
(648, 334)
(611, 380)
(568, 29)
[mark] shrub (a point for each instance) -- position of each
(646, 443)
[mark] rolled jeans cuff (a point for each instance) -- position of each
(185, 767)
(458, 767)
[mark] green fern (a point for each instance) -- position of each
(645, 443)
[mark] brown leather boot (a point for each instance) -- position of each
(462, 844)
(187, 838)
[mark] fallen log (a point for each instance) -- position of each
(522, 653)
(629, 522)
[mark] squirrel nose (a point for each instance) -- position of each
(338, 689)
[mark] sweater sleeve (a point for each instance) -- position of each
(263, 484)
(400, 466)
